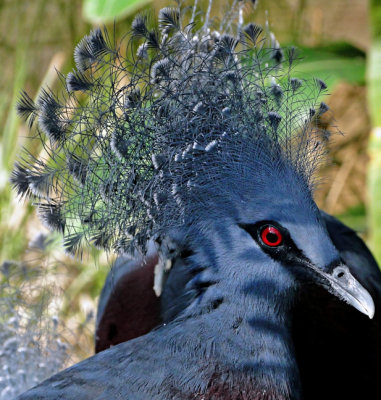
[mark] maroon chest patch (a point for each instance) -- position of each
(239, 387)
(132, 310)
(224, 392)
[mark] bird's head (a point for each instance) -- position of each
(261, 238)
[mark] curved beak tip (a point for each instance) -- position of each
(365, 305)
(368, 307)
(346, 286)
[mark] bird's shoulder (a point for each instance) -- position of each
(120, 371)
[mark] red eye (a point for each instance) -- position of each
(271, 236)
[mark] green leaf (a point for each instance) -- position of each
(374, 82)
(102, 11)
(333, 63)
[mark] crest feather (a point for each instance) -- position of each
(166, 135)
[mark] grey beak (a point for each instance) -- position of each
(346, 287)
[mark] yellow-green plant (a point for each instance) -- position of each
(374, 97)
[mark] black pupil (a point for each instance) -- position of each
(272, 237)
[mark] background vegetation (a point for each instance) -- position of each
(341, 43)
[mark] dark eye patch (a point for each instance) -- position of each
(276, 241)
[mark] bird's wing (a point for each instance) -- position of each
(127, 371)
(128, 306)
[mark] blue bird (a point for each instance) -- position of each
(334, 344)
(202, 141)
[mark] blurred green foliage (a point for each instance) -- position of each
(333, 63)
(374, 81)
(375, 17)
(374, 99)
(103, 11)
(355, 217)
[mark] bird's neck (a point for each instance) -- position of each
(247, 346)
